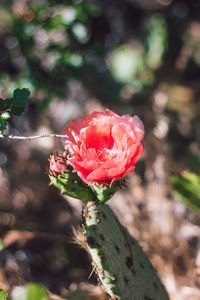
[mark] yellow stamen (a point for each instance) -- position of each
(106, 157)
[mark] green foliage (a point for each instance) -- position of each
(53, 42)
(3, 125)
(121, 265)
(67, 35)
(20, 97)
(135, 66)
(194, 161)
(30, 291)
(3, 295)
(1, 245)
(13, 106)
(5, 104)
(187, 187)
(19, 101)
(156, 41)
(126, 64)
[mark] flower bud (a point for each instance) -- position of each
(57, 165)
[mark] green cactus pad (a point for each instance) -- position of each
(122, 267)
(69, 183)
(103, 192)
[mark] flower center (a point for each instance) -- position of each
(106, 157)
(104, 154)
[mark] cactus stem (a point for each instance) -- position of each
(121, 265)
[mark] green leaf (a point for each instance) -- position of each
(194, 161)
(21, 97)
(5, 104)
(93, 10)
(3, 295)
(17, 111)
(30, 291)
(3, 125)
(36, 292)
(15, 106)
(1, 246)
(5, 115)
(187, 187)
(156, 41)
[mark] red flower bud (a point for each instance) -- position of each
(57, 165)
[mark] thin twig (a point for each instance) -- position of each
(16, 137)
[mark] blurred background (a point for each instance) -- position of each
(132, 56)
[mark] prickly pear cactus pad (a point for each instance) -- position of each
(122, 266)
(104, 192)
(66, 180)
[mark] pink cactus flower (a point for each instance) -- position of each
(104, 147)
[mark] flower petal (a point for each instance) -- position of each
(104, 146)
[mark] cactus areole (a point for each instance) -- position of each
(100, 151)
